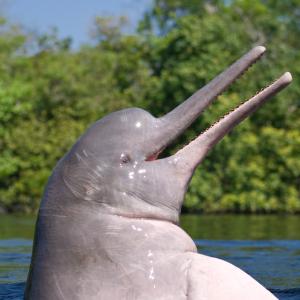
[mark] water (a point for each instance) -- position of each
(267, 247)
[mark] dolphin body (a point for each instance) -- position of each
(107, 224)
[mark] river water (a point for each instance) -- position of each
(267, 247)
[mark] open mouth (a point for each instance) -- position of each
(153, 156)
(156, 154)
(179, 119)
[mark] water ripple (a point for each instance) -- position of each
(274, 263)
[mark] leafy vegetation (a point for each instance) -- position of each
(49, 94)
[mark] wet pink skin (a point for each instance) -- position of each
(108, 221)
(133, 259)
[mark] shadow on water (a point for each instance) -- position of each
(267, 247)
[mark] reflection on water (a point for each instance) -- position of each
(242, 227)
(14, 261)
(267, 247)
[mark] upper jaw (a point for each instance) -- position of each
(180, 118)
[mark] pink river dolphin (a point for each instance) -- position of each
(107, 226)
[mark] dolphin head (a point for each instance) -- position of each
(115, 164)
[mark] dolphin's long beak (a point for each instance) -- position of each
(175, 122)
(192, 154)
(177, 169)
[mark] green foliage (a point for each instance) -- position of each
(50, 95)
(250, 170)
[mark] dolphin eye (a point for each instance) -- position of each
(125, 158)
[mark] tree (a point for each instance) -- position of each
(50, 94)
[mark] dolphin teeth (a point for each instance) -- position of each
(286, 78)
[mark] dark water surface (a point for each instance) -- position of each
(267, 247)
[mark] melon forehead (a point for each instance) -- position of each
(120, 132)
(131, 118)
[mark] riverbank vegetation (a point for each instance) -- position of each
(50, 93)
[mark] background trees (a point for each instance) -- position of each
(49, 94)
